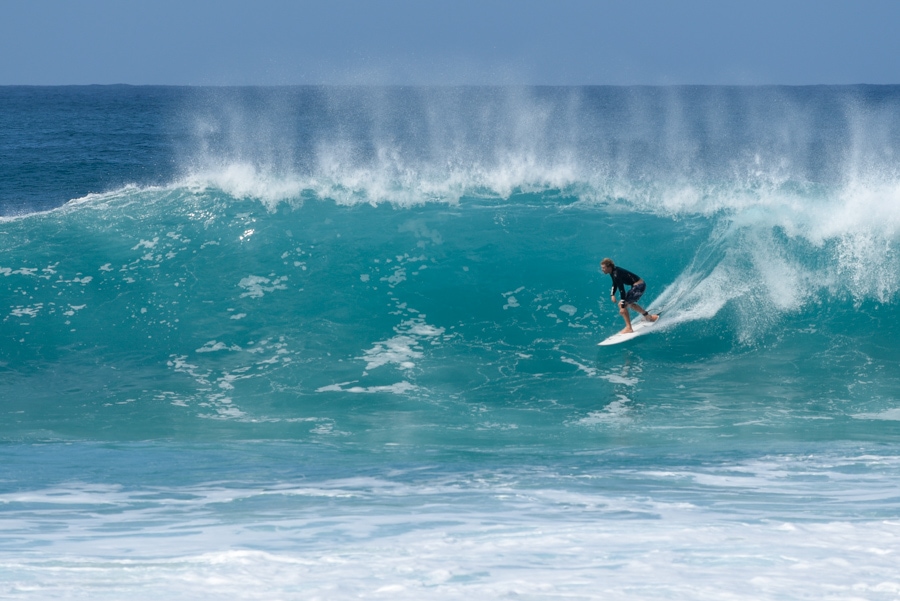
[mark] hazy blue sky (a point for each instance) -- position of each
(449, 42)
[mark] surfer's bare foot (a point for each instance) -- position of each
(651, 317)
(627, 331)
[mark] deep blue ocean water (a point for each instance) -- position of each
(340, 343)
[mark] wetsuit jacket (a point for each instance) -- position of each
(621, 277)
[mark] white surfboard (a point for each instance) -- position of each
(638, 324)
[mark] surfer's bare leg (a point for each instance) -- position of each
(646, 315)
(623, 311)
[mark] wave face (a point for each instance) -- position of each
(264, 308)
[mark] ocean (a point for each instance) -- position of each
(341, 343)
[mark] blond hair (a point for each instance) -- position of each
(608, 263)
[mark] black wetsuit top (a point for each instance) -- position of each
(620, 278)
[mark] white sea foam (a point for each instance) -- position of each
(569, 310)
(398, 388)
(394, 184)
(616, 413)
(257, 286)
(404, 348)
(590, 371)
(887, 414)
(735, 562)
(214, 346)
(795, 531)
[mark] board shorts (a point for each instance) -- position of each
(633, 294)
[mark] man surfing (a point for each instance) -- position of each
(621, 278)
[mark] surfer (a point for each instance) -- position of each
(621, 278)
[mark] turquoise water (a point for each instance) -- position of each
(341, 343)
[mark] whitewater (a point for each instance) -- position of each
(341, 343)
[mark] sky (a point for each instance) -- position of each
(449, 42)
